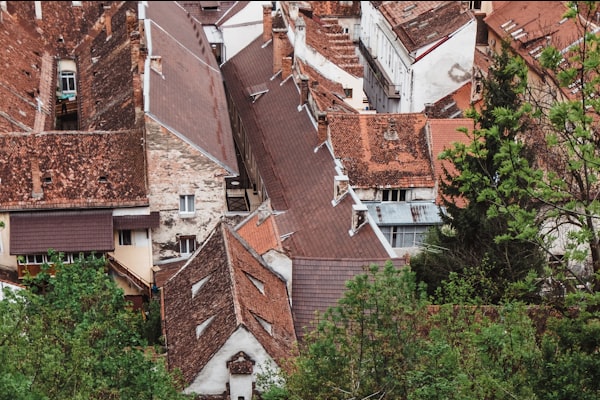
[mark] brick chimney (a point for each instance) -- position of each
(267, 22)
(303, 89)
(286, 67)
(359, 218)
(36, 177)
(321, 127)
(340, 188)
(279, 41)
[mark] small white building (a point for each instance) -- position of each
(415, 53)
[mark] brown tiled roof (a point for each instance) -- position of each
(137, 221)
(380, 150)
(419, 23)
(72, 170)
(327, 94)
(223, 12)
(453, 105)
(188, 98)
(531, 26)
(335, 8)
(231, 294)
(260, 231)
(65, 231)
(298, 179)
(444, 133)
(318, 284)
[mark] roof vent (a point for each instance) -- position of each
(156, 63)
(391, 133)
(359, 218)
(340, 188)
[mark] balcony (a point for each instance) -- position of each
(391, 90)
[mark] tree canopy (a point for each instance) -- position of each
(72, 335)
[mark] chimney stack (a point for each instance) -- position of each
(267, 22)
(286, 67)
(321, 126)
(303, 89)
(279, 41)
(36, 177)
(340, 188)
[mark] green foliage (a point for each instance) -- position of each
(71, 335)
(384, 340)
(489, 245)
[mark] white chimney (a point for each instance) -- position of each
(359, 217)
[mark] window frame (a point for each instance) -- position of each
(125, 237)
(67, 77)
(184, 204)
(393, 195)
(187, 243)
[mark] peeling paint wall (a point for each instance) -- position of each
(175, 168)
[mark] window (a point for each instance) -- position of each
(67, 82)
(32, 259)
(125, 237)
(186, 204)
(394, 195)
(348, 92)
(187, 245)
(405, 236)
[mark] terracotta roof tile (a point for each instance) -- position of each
(188, 96)
(379, 150)
(226, 281)
(260, 230)
(327, 94)
(444, 133)
(418, 24)
(72, 170)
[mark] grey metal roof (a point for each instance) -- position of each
(404, 213)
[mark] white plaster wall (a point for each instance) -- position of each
(138, 256)
(281, 264)
(327, 68)
(6, 260)
(215, 375)
(444, 70)
(240, 30)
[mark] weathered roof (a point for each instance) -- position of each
(335, 8)
(531, 26)
(327, 94)
(227, 284)
(187, 95)
(382, 150)
(298, 179)
(64, 231)
(404, 213)
(420, 23)
(72, 170)
(260, 230)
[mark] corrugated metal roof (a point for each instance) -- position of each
(65, 231)
(404, 213)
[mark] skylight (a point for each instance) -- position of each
(196, 286)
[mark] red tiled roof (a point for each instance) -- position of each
(188, 98)
(379, 150)
(298, 179)
(237, 288)
(335, 8)
(64, 231)
(72, 170)
(419, 23)
(327, 94)
(532, 26)
(444, 133)
(260, 230)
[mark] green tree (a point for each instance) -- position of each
(77, 338)
(468, 242)
(383, 340)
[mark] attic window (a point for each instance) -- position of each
(259, 284)
(47, 179)
(209, 5)
(202, 327)
(67, 82)
(196, 286)
(256, 91)
(103, 179)
(267, 326)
